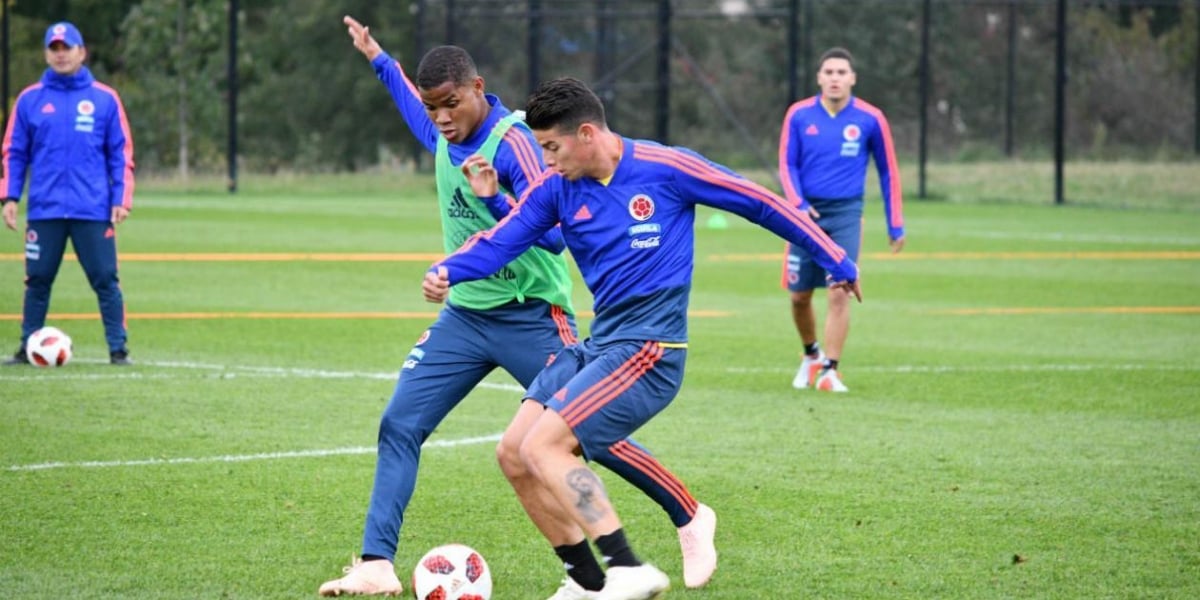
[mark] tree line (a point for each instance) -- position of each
(308, 101)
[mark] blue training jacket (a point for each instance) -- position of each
(69, 133)
(633, 236)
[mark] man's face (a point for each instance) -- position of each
(456, 110)
(567, 153)
(836, 79)
(64, 59)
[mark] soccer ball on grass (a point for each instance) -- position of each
(48, 347)
(452, 572)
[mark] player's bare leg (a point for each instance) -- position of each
(837, 329)
(805, 319)
(544, 510)
(550, 452)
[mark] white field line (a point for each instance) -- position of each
(244, 457)
(227, 372)
(221, 372)
(237, 371)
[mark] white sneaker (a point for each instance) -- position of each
(809, 367)
(699, 552)
(634, 583)
(830, 381)
(571, 590)
(365, 578)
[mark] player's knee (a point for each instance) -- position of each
(398, 428)
(802, 300)
(508, 456)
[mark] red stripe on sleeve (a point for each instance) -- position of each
(702, 170)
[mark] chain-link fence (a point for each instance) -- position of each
(1130, 92)
(715, 75)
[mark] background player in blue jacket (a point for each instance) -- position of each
(69, 133)
(627, 210)
(823, 151)
(516, 321)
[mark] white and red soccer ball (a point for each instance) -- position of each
(48, 347)
(452, 572)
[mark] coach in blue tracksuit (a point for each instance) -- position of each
(69, 133)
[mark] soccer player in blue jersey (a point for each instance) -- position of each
(627, 210)
(823, 151)
(517, 320)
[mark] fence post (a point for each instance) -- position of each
(662, 113)
(793, 42)
(232, 75)
(534, 47)
(4, 80)
(1060, 100)
(922, 153)
(1010, 90)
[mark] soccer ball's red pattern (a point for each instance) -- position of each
(452, 572)
(438, 564)
(474, 567)
(48, 347)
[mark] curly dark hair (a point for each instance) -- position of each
(563, 103)
(445, 63)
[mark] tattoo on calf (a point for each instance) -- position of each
(591, 500)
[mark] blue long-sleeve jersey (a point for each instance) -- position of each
(70, 135)
(518, 160)
(825, 156)
(633, 237)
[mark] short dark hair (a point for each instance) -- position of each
(563, 103)
(445, 63)
(836, 52)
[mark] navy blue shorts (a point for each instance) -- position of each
(802, 273)
(463, 346)
(607, 393)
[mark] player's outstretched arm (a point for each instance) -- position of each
(361, 35)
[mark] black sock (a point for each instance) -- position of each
(812, 349)
(616, 550)
(370, 557)
(581, 565)
(831, 363)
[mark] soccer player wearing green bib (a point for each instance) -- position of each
(518, 320)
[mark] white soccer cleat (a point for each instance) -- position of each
(699, 552)
(571, 590)
(830, 381)
(809, 368)
(365, 578)
(643, 582)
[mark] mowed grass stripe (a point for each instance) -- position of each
(1067, 310)
(757, 257)
(366, 315)
(919, 256)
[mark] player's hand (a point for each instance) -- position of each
(361, 35)
(481, 175)
(897, 245)
(851, 287)
(436, 285)
(10, 215)
(119, 214)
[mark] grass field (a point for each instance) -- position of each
(1024, 420)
